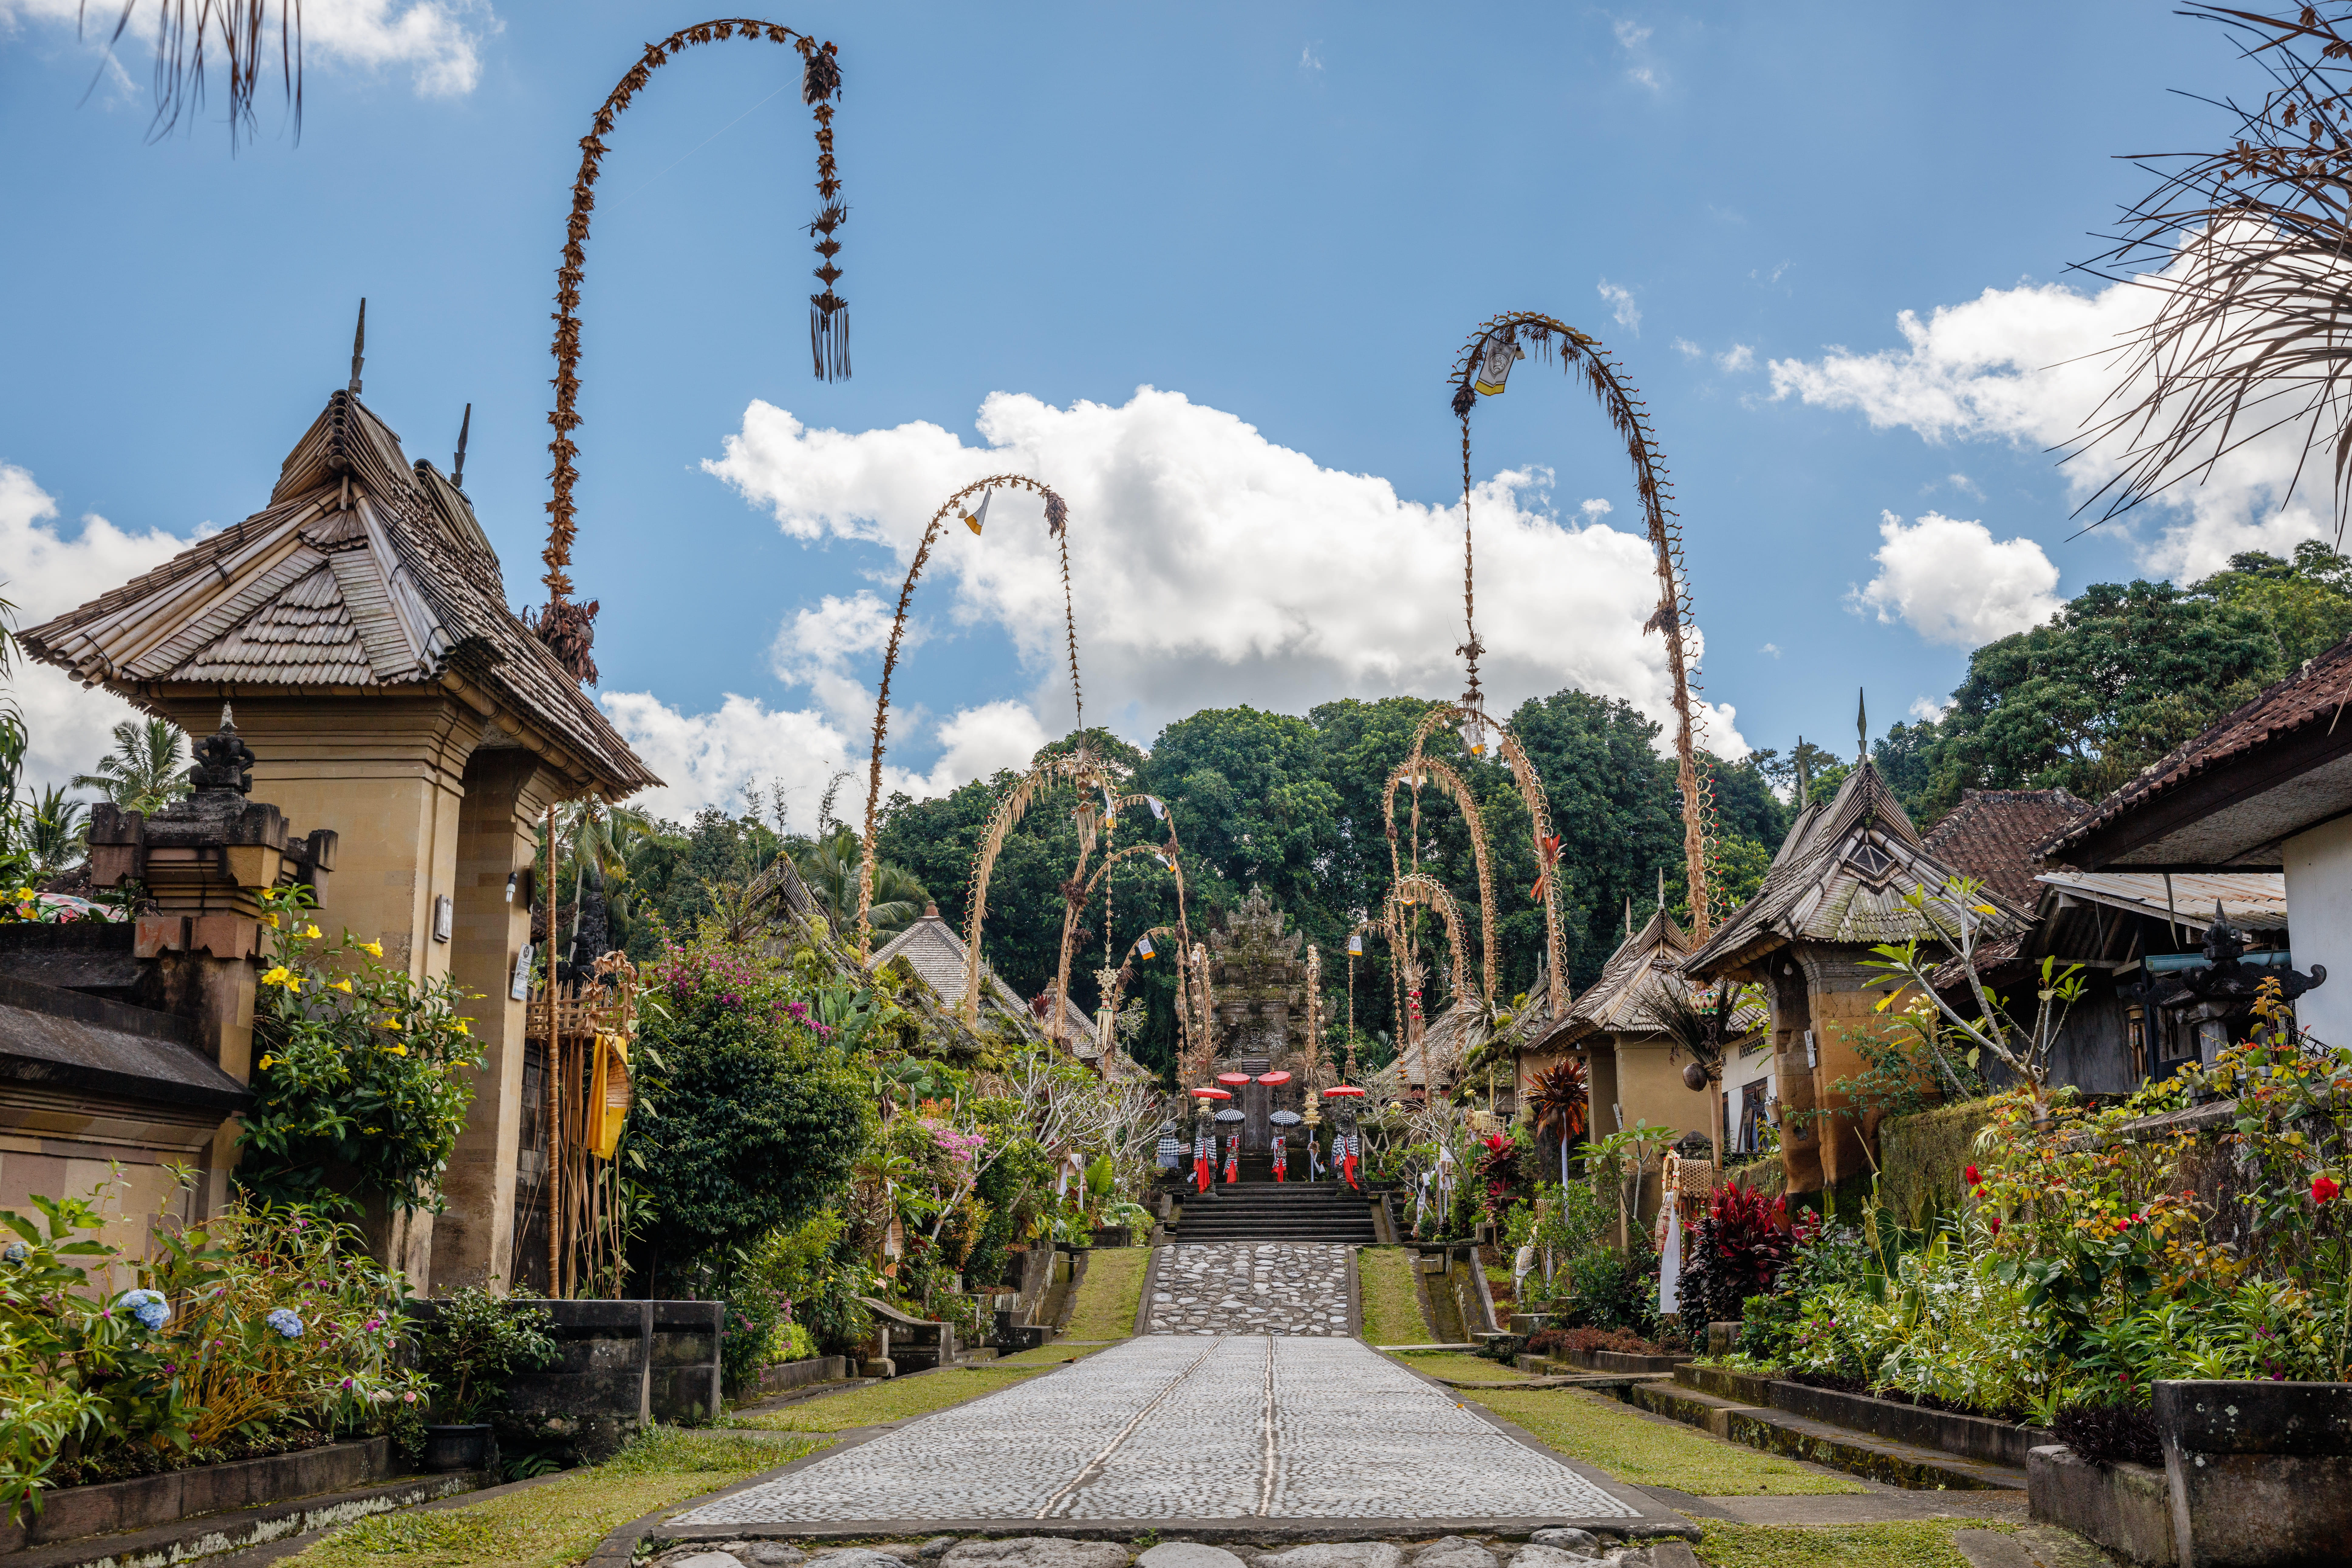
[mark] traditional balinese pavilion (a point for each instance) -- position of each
(1838, 886)
(2267, 787)
(359, 625)
(931, 953)
(1634, 1071)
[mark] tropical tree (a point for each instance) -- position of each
(52, 830)
(145, 772)
(1561, 1101)
(830, 867)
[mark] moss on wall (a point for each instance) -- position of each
(1922, 1158)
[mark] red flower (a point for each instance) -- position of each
(1971, 1174)
(1996, 1225)
(2323, 1190)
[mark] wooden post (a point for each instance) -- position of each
(552, 1059)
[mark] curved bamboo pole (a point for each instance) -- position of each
(1205, 1000)
(1058, 517)
(1085, 773)
(1531, 795)
(567, 629)
(1432, 892)
(1075, 906)
(1416, 765)
(1625, 415)
(1117, 992)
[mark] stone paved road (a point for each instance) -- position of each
(1178, 1426)
(1251, 1287)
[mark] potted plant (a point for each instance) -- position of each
(471, 1342)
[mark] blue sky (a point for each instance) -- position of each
(1284, 218)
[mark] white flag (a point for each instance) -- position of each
(1497, 355)
(975, 519)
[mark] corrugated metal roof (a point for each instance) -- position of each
(2256, 900)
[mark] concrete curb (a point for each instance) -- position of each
(1143, 1305)
(1355, 1297)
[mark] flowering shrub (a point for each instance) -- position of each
(259, 1329)
(363, 1074)
(1736, 1250)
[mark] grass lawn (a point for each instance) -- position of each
(1653, 1453)
(558, 1522)
(1391, 1310)
(1922, 1543)
(1109, 1294)
(1463, 1366)
(901, 1399)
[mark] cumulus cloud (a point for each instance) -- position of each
(44, 574)
(1211, 567)
(1772, 648)
(1927, 710)
(1595, 509)
(438, 42)
(1621, 305)
(2029, 365)
(1951, 581)
(1735, 358)
(1688, 349)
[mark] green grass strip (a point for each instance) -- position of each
(1461, 1366)
(1109, 1294)
(1391, 1310)
(1913, 1543)
(560, 1522)
(899, 1399)
(1647, 1452)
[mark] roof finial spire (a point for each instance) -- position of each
(1861, 726)
(457, 469)
(1662, 890)
(359, 346)
(1629, 917)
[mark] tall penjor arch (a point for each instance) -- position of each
(1483, 369)
(567, 628)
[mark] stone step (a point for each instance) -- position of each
(1905, 1465)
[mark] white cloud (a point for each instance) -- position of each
(1927, 710)
(1595, 509)
(1308, 60)
(1620, 301)
(1632, 37)
(2029, 365)
(1210, 566)
(1688, 349)
(1735, 358)
(46, 574)
(437, 41)
(1952, 583)
(1965, 485)
(1772, 648)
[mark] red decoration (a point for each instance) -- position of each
(1236, 1078)
(1273, 1078)
(1211, 1094)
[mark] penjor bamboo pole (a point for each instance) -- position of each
(552, 1060)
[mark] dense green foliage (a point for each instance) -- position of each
(758, 1112)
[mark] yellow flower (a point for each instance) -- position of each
(265, 1060)
(281, 975)
(397, 1050)
(389, 1022)
(372, 948)
(269, 921)
(342, 985)
(310, 931)
(462, 1027)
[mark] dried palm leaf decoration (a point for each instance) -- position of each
(239, 30)
(564, 627)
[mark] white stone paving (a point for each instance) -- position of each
(1181, 1426)
(1251, 1287)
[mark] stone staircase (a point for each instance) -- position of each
(1259, 1208)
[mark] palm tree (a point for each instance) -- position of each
(145, 772)
(830, 867)
(1561, 1106)
(53, 832)
(592, 834)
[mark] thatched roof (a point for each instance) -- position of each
(364, 574)
(1843, 874)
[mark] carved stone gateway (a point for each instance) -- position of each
(1258, 973)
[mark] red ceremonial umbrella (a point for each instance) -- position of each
(1273, 1078)
(1236, 1078)
(1344, 1092)
(1211, 1094)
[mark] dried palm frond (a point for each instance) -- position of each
(2250, 247)
(239, 30)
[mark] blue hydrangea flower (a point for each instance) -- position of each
(284, 1321)
(148, 1306)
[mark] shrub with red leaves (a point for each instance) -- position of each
(1735, 1251)
(1552, 1342)
(1499, 1170)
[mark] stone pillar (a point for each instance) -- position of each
(507, 793)
(386, 774)
(1793, 1022)
(1839, 1004)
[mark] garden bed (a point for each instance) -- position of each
(109, 1507)
(1917, 1422)
(784, 1377)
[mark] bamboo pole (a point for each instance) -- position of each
(552, 1059)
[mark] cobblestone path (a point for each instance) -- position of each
(1179, 1427)
(1251, 1287)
